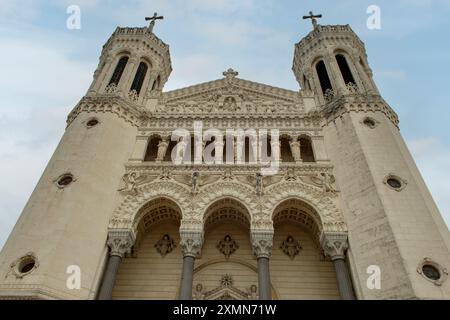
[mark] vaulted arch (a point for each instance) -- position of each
(126, 214)
(221, 190)
(331, 217)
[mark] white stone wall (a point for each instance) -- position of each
(68, 226)
(391, 229)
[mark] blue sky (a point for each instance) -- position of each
(46, 68)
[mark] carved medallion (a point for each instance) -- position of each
(227, 246)
(165, 245)
(291, 247)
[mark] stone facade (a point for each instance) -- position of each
(346, 196)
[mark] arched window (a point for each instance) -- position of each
(118, 72)
(322, 73)
(306, 150)
(345, 69)
(152, 149)
(249, 152)
(139, 77)
(285, 150)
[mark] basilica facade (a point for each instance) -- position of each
(230, 189)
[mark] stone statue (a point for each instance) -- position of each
(295, 149)
(180, 151)
(227, 246)
(129, 181)
(327, 181)
(229, 104)
(253, 293)
(162, 148)
(165, 245)
(195, 182)
(199, 293)
(259, 183)
(291, 247)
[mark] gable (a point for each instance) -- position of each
(230, 96)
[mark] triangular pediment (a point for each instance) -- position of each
(247, 90)
(230, 95)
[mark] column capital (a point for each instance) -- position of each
(191, 242)
(334, 244)
(262, 242)
(120, 242)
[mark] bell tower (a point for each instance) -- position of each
(394, 225)
(57, 249)
(134, 64)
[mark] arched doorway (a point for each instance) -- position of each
(153, 270)
(226, 268)
(298, 268)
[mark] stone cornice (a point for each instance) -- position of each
(157, 168)
(108, 103)
(358, 103)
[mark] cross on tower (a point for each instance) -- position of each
(152, 21)
(313, 18)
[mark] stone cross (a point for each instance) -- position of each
(152, 21)
(230, 74)
(313, 18)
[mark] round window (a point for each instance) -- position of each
(65, 180)
(431, 272)
(92, 123)
(394, 183)
(26, 265)
(369, 122)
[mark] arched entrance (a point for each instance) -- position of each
(226, 268)
(153, 270)
(298, 268)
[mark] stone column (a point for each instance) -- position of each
(120, 242)
(99, 78)
(364, 77)
(262, 242)
(239, 152)
(191, 244)
(128, 75)
(334, 245)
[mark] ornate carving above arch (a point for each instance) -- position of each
(224, 189)
(226, 209)
(330, 216)
(126, 214)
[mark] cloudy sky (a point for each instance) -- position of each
(45, 68)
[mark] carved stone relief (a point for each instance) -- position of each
(291, 247)
(227, 246)
(165, 245)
